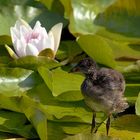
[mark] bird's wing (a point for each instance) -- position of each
(96, 97)
(111, 79)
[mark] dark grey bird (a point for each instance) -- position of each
(103, 90)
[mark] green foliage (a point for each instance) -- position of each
(15, 123)
(71, 82)
(128, 125)
(39, 97)
(104, 54)
(138, 105)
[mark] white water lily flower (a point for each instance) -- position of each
(28, 41)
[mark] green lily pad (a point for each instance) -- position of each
(50, 22)
(12, 122)
(85, 12)
(15, 81)
(32, 62)
(10, 12)
(68, 50)
(126, 127)
(70, 96)
(60, 81)
(55, 131)
(33, 111)
(122, 128)
(131, 92)
(54, 6)
(61, 110)
(138, 105)
(87, 136)
(107, 18)
(101, 52)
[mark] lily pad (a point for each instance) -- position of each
(33, 111)
(83, 136)
(126, 127)
(68, 50)
(101, 52)
(85, 12)
(15, 81)
(10, 12)
(60, 81)
(138, 105)
(13, 122)
(32, 62)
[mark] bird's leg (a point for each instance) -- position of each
(93, 123)
(108, 125)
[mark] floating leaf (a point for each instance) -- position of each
(85, 136)
(59, 85)
(85, 12)
(138, 105)
(12, 122)
(131, 92)
(50, 22)
(35, 115)
(10, 12)
(125, 127)
(68, 50)
(101, 52)
(15, 81)
(70, 96)
(55, 131)
(32, 62)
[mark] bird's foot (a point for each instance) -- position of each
(108, 125)
(94, 130)
(93, 126)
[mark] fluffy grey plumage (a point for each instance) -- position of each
(103, 89)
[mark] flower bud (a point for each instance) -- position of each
(28, 41)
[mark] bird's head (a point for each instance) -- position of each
(87, 66)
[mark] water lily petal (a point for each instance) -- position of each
(45, 42)
(20, 47)
(37, 25)
(34, 42)
(31, 50)
(22, 40)
(20, 28)
(56, 31)
(39, 45)
(14, 34)
(41, 30)
(24, 31)
(44, 32)
(37, 28)
(50, 41)
(28, 41)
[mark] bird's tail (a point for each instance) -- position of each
(121, 106)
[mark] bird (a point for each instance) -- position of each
(103, 90)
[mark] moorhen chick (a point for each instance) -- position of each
(103, 90)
